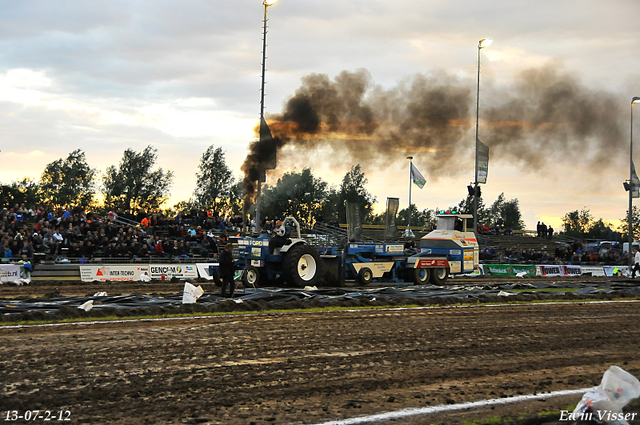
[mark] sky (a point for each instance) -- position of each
(555, 92)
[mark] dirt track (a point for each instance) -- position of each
(315, 367)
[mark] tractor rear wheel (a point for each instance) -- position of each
(301, 266)
(439, 276)
(421, 276)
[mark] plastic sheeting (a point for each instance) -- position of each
(322, 295)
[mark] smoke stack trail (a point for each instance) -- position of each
(550, 114)
(546, 114)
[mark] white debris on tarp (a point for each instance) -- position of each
(505, 294)
(310, 288)
(238, 301)
(605, 402)
(191, 293)
(100, 294)
(86, 306)
(145, 278)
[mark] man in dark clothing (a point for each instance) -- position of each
(226, 270)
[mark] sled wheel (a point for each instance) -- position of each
(421, 276)
(365, 275)
(439, 276)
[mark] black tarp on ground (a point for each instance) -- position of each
(269, 297)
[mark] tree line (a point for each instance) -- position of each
(137, 183)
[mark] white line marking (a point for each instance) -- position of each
(450, 407)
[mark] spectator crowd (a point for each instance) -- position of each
(75, 233)
(27, 232)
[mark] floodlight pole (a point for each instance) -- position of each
(264, 63)
(410, 158)
(481, 44)
(630, 216)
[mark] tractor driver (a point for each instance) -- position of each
(280, 239)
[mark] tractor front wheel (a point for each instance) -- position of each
(251, 277)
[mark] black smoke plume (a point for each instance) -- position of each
(546, 114)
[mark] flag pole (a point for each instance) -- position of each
(410, 158)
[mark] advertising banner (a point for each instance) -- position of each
(169, 271)
(390, 227)
(113, 272)
(616, 270)
(482, 162)
(9, 272)
(204, 271)
(594, 270)
(508, 269)
(572, 270)
(551, 270)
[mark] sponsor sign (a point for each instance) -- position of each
(203, 270)
(508, 269)
(594, 270)
(560, 270)
(256, 252)
(455, 267)
(611, 270)
(572, 270)
(169, 271)
(468, 254)
(394, 249)
(551, 270)
(429, 262)
(9, 272)
(113, 272)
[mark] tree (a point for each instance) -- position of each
(353, 189)
(68, 182)
(299, 195)
(602, 230)
(25, 191)
(214, 180)
(577, 223)
(501, 213)
(624, 224)
(510, 215)
(466, 207)
(134, 185)
(418, 218)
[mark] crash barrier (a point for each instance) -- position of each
(328, 296)
(551, 270)
(133, 272)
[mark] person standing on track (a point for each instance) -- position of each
(636, 260)
(226, 270)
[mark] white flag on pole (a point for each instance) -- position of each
(417, 177)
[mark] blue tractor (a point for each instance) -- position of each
(284, 258)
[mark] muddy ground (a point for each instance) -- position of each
(307, 368)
